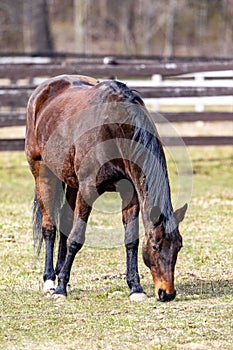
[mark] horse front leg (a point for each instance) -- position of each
(130, 212)
(74, 244)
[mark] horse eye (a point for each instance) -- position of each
(156, 247)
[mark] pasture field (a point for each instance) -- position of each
(98, 313)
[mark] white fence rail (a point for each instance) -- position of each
(191, 84)
(200, 79)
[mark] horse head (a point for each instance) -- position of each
(160, 252)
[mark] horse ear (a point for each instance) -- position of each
(156, 216)
(180, 213)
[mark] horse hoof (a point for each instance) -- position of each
(59, 297)
(48, 292)
(49, 288)
(137, 297)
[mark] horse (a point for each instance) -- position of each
(85, 138)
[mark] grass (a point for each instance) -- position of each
(98, 314)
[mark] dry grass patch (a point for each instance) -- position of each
(98, 314)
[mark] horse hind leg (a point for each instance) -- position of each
(48, 193)
(39, 235)
(74, 244)
(65, 226)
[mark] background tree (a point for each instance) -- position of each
(36, 26)
(169, 44)
(144, 27)
(11, 26)
(81, 26)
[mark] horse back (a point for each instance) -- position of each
(44, 95)
(60, 104)
(52, 88)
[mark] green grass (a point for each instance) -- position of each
(98, 314)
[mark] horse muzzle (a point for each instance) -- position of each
(164, 289)
(164, 296)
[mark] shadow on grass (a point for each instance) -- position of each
(203, 289)
(193, 289)
(198, 289)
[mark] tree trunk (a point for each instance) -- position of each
(127, 26)
(82, 39)
(169, 49)
(36, 27)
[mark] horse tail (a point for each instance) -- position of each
(37, 225)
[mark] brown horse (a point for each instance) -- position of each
(84, 138)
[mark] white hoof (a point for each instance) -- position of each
(49, 288)
(59, 297)
(137, 297)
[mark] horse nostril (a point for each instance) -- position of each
(163, 296)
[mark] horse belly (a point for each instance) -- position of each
(68, 174)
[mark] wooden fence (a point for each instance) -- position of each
(19, 76)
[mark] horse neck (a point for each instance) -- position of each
(153, 189)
